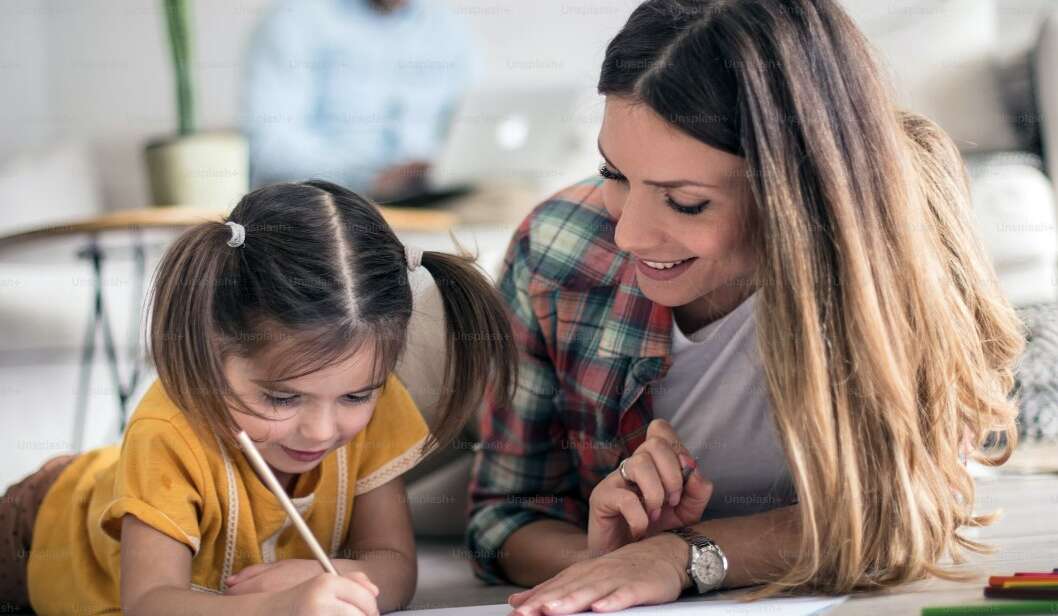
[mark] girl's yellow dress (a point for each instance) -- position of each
(203, 497)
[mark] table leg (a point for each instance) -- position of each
(100, 320)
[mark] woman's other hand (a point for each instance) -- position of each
(653, 499)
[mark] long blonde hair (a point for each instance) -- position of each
(885, 339)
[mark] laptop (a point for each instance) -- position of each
(517, 135)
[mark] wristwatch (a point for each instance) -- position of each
(707, 566)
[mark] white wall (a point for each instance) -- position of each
(98, 70)
(25, 115)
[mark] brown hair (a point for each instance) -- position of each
(320, 273)
(885, 339)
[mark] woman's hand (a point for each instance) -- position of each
(285, 574)
(618, 515)
(643, 573)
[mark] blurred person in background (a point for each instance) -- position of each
(359, 92)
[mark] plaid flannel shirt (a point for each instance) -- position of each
(590, 343)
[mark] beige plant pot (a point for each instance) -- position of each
(209, 170)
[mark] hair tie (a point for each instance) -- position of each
(413, 254)
(238, 234)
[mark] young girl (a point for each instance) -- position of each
(287, 322)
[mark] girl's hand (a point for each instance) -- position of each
(618, 515)
(326, 593)
(285, 574)
(643, 573)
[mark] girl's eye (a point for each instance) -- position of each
(357, 399)
(609, 174)
(280, 400)
(687, 209)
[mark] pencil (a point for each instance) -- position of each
(273, 484)
(687, 470)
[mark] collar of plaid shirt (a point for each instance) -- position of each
(635, 327)
(648, 346)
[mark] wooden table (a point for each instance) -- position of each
(1026, 537)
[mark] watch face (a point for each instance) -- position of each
(708, 568)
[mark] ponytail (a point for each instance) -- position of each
(480, 350)
(198, 265)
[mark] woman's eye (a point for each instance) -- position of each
(280, 400)
(687, 209)
(610, 174)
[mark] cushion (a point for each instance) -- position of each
(1014, 212)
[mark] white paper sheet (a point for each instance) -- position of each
(698, 606)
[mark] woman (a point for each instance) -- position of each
(777, 280)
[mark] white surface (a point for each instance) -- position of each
(795, 606)
(942, 54)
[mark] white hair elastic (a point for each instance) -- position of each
(238, 234)
(413, 254)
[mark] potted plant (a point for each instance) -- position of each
(197, 168)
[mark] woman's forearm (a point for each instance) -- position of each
(392, 571)
(756, 546)
(539, 550)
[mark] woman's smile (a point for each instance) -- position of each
(663, 270)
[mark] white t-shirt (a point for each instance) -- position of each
(716, 398)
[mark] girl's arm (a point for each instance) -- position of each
(381, 543)
(156, 580)
(156, 577)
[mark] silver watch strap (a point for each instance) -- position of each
(700, 541)
(692, 537)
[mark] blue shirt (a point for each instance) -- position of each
(336, 89)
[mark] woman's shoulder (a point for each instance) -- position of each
(568, 239)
